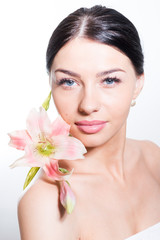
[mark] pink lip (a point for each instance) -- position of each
(91, 126)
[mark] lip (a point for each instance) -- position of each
(90, 126)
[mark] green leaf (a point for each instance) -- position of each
(63, 170)
(45, 104)
(32, 172)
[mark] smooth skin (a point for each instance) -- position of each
(117, 185)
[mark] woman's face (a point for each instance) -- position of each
(93, 85)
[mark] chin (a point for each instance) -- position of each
(91, 140)
(94, 142)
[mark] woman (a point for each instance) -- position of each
(95, 65)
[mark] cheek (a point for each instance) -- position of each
(64, 105)
(117, 104)
(119, 107)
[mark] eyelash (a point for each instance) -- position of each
(111, 79)
(63, 81)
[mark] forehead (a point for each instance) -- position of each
(83, 54)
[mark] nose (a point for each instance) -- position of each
(90, 102)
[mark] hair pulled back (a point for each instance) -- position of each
(101, 24)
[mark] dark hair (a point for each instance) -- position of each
(101, 24)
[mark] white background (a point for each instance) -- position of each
(25, 28)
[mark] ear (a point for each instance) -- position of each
(138, 86)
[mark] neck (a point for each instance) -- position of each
(107, 158)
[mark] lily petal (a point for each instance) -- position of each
(52, 171)
(19, 162)
(28, 160)
(68, 148)
(60, 127)
(19, 139)
(67, 197)
(38, 123)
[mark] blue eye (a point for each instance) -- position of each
(66, 82)
(69, 82)
(110, 80)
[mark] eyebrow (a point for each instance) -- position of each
(101, 74)
(68, 72)
(73, 74)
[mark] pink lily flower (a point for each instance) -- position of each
(44, 141)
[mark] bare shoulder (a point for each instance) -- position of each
(150, 153)
(38, 211)
(40, 191)
(147, 148)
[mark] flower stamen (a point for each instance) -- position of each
(45, 148)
